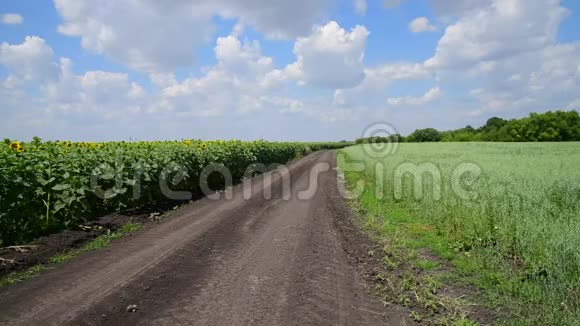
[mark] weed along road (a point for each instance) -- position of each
(272, 256)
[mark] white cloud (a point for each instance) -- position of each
(145, 35)
(239, 82)
(360, 7)
(219, 103)
(421, 24)
(12, 19)
(331, 56)
(509, 50)
(39, 91)
(274, 18)
(504, 29)
(431, 95)
(377, 79)
(32, 60)
(496, 102)
(448, 9)
(505, 51)
(241, 59)
(92, 97)
(399, 71)
(283, 104)
(527, 81)
(152, 36)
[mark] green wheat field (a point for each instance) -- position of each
(517, 233)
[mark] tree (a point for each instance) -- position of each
(494, 123)
(537, 127)
(425, 135)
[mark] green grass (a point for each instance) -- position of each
(519, 238)
(425, 264)
(100, 242)
(21, 276)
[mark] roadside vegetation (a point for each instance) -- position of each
(538, 127)
(50, 186)
(508, 224)
(100, 242)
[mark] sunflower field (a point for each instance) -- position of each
(49, 186)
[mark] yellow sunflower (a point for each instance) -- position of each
(20, 149)
(14, 145)
(203, 146)
(187, 142)
(64, 152)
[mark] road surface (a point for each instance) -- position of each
(252, 261)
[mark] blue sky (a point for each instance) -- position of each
(279, 70)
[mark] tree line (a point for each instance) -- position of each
(554, 126)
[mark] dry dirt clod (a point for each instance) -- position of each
(132, 308)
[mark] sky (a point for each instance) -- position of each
(301, 70)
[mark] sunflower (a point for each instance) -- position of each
(14, 145)
(203, 146)
(20, 149)
(187, 142)
(64, 152)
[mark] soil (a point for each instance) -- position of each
(18, 258)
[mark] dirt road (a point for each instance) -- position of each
(253, 261)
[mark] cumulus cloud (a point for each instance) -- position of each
(399, 71)
(279, 19)
(144, 35)
(430, 96)
(89, 98)
(233, 84)
(421, 24)
(509, 48)
(377, 79)
(505, 51)
(152, 36)
(283, 104)
(11, 19)
(236, 85)
(527, 81)
(331, 56)
(39, 89)
(32, 60)
(448, 9)
(504, 29)
(495, 102)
